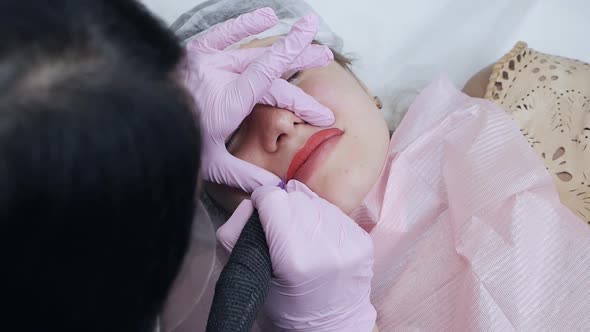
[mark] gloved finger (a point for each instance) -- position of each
(273, 207)
(313, 56)
(234, 172)
(261, 193)
(259, 75)
(291, 221)
(297, 215)
(285, 95)
(228, 234)
(295, 185)
(249, 176)
(234, 30)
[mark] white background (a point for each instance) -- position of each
(400, 43)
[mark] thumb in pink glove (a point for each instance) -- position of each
(226, 85)
(322, 261)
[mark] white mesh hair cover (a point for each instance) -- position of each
(210, 13)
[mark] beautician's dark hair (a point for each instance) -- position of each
(99, 155)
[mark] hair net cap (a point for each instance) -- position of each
(210, 13)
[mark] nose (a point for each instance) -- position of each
(281, 129)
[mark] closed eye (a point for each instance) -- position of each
(294, 77)
(230, 140)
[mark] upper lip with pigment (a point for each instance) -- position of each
(312, 144)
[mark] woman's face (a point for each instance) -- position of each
(341, 169)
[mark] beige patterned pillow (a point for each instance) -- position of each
(549, 96)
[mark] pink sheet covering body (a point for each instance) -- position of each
(468, 229)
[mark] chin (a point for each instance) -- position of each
(345, 197)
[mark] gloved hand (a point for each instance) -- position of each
(322, 261)
(226, 85)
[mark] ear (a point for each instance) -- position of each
(362, 84)
(375, 98)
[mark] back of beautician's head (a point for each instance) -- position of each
(98, 165)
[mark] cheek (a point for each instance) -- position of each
(327, 94)
(346, 99)
(354, 167)
(251, 151)
(343, 184)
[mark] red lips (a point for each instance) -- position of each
(314, 142)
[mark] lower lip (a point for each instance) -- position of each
(317, 157)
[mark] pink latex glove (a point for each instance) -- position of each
(321, 260)
(226, 85)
